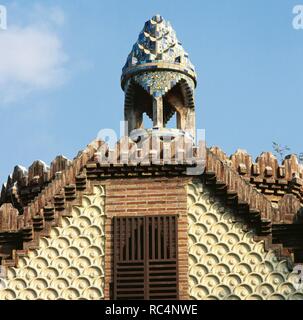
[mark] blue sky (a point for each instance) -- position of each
(60, 67)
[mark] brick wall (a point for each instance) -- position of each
(147, 196)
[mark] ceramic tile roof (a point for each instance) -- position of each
(32, 199)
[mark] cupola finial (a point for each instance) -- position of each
(158, 79)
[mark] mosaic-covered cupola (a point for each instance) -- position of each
(158, 79)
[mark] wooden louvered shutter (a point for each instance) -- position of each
(145, 258)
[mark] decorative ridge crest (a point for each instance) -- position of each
(266, 173)
(157, 48)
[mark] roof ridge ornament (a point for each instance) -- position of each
(159, 80)
(157, 48)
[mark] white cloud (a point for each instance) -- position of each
(32, 58)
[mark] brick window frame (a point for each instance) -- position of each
(147, 196)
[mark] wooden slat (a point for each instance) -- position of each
(163, 295)
(115, 256)
(154, 279)
(159, 238)
(146, 223)
(128, 295)
(170, 233)
(164, 236)
(139, 239)
(120, 239)
(128, 266)
(123, 272)
(133, 249)
(123, 283)
(127, 220)
(153, 237)
(138, 290)
(123, 279)
(162, 282)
